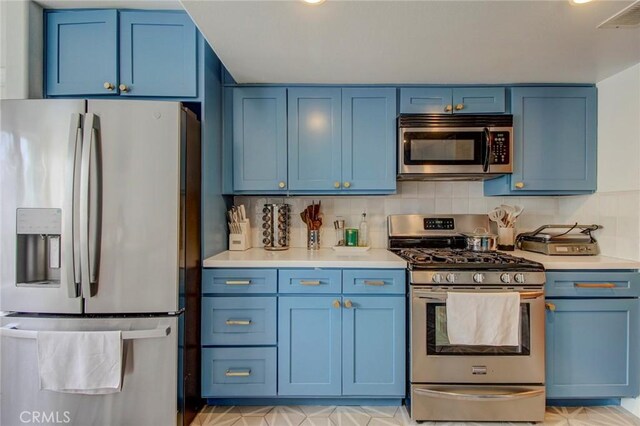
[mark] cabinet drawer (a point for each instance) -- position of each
(238, 372)
(593, 284)
(479, 100)
(310, 281)
(239, 281)
(239, 321)
(374, 281)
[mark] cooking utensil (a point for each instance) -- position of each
(481, 240)
(497, 215)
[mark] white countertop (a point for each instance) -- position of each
(302, 258)
(577, 262)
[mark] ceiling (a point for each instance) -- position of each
(416, 41)
(109, 4)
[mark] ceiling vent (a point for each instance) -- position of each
(629, 17)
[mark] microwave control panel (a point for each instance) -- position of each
(500, 148)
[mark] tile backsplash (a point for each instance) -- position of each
(617, 212)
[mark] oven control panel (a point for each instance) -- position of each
(439, 224)
(500, 148)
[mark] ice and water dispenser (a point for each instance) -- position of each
(38, 251)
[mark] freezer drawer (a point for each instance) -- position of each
(477, 403)
(149, 389)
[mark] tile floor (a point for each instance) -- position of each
(382, 416)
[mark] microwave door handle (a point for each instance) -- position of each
(486, 142)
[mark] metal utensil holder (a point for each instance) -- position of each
(275, 226)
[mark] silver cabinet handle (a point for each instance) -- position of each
(71, 250)
(476, 397)
(304, 282)
(238, 373)
(238, 282)
(238, 322)
(374, 283)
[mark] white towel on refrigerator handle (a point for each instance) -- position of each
(487, 318)
(80, 362)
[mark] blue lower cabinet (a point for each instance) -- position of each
(238, 321)
(238, 372)
(373, 343)
(592, 348)
(309, 346)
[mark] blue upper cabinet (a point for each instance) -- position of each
(479, 100)
(260, 139)
(126, 53)
(309, 346)
(373, 342)
(457, 100)
(554, 142)
(81, 49)
(314, 122)
(157, 54)
(426, 100)
(369, 139)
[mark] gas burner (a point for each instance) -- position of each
(424, 258)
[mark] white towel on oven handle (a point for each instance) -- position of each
(487, 318)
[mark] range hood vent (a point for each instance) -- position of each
(628, 17)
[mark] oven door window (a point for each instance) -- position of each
(438, 341)
(444, 148)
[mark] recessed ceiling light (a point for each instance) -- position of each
(313, 1)
(580, 1)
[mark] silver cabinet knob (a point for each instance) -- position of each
(459, 107)
(123, 88)
(282, 185)
(336, 184)
(347, 185)
(108, 85)
(448, 108)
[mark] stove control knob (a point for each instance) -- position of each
(505, 278)
(437, 278)
(519, 278)
(479, 278)
(451, 278)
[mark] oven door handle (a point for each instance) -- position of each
(479, 397)
(443, 296)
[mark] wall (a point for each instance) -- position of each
(21, 50)
(616, 205)
(412, 197)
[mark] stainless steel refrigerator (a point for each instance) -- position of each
(100, 230)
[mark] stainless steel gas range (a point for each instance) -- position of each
(465, 382)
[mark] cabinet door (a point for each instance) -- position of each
(373, 338)
(554, 142)
(309, 346)
(81, 52)
(314, 139)
(157, 54)
(426, 100)
(478, 100)
(369, 139)
(259, 139)
(592, 348)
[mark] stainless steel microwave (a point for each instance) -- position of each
(464, 147)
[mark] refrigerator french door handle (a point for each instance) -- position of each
(90, 207)
(71, 248)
